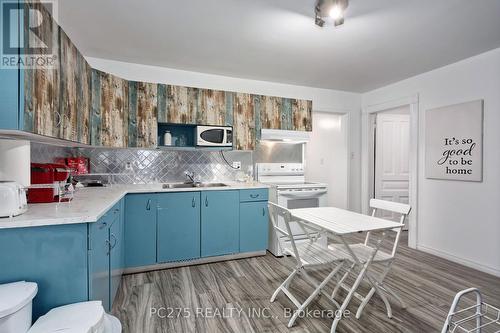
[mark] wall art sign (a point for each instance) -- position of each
(454, 142)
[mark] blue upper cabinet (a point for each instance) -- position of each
(10, 81)
(140, 229)
(178, 226)
(219, 223)
(55, 257)
(99, 249)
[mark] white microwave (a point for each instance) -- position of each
(214, 136)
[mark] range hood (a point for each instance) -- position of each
(284, 136)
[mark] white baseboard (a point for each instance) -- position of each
(462, 261)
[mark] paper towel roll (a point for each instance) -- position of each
(15, 161)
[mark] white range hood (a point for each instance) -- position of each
(284, 136)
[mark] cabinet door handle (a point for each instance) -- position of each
(254, 196)
(148, 205)
(59, 119)
(114, 241)
(263, 212)
(193, 203)
(206, 201)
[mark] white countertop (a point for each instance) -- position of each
(89, 204)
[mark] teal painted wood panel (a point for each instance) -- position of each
(254, 226)
(132, 115)
(55, 257)
(178, 226)
(258, 120)
(95, 118)
(229, 108)
(117, 253)
(99, 251)
(286, 114)
(140, 230)
(162, 103)
(9, 107)
(219, 223)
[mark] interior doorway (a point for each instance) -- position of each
(391, 146)
(327, 156)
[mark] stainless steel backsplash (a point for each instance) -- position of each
(150, 166)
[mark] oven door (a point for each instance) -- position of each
(300, 199)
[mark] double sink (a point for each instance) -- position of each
(193, 185)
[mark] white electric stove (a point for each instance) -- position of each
(289, 189)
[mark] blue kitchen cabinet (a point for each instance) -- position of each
(254, 226)
(55, 257)
(99, 250)
(219, 223)
(140, 230)
(11, 77)
(178, 226)
(106, 255)
(117, 249)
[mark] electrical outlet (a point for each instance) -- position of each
(128, 166)
(237, 164)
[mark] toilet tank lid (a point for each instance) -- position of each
(14, 296)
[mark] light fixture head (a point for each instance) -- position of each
(330, 12)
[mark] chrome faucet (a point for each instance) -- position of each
(190, 176)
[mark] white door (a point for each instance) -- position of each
(392, 140)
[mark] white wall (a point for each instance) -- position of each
(327, 154)
(323, 99)
(458, 220)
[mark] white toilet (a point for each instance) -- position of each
(85, 317)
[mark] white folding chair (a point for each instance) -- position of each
(308, 255)
(364, 251)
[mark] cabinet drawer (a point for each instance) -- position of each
(258, 194)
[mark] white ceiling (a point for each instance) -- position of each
(382, 41)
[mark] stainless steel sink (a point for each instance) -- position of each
(192, 185)
(210, 185)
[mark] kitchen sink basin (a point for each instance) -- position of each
(193, 185)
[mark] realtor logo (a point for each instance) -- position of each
(27, 34)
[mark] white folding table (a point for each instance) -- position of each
(339, 223)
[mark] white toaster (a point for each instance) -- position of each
(12, 199)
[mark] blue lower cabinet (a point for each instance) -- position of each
(178, 226)
(99, 250)
(117, 251)
(254, 226)
(55, 257)
(219, 222)
(140, 230)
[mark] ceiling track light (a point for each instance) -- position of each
(330, 12)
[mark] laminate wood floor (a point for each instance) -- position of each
(233, 296)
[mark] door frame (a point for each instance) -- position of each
(346, 115)
(367, 161)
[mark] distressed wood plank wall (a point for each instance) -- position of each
(68, 93)
(114, 110)
(212, 107)
(84, 100)
(146, 114)
(95, 116)
(41, 84)
(302, 115)
(78, 103)
(243, 122)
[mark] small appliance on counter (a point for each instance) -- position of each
(13, 198)
(48, 182)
